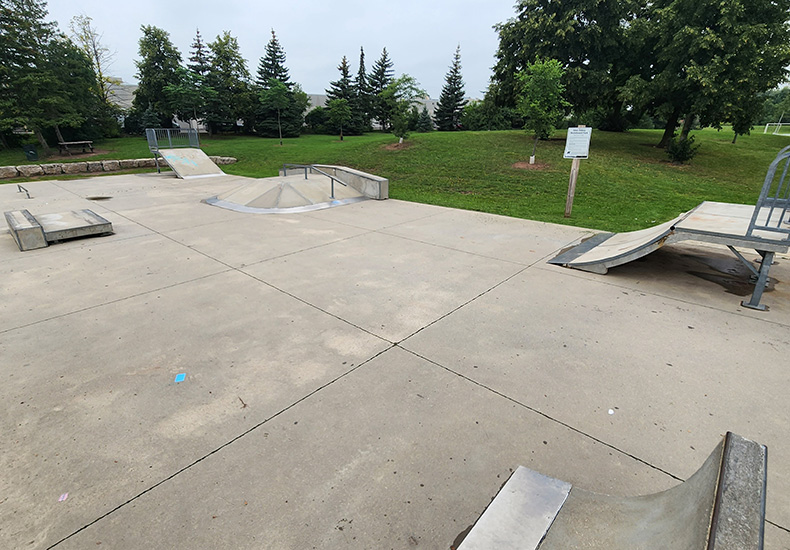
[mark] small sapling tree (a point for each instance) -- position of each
(541, 101)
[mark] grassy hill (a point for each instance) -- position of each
(626, 183)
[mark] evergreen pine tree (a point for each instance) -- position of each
(342, 88)
(381, 76)
(424, 122)
(364, 100)
(451, 101)
(272, 65)
(199, 58)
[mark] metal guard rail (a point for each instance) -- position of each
(312, 168)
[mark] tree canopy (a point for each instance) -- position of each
(157, 68)
(673, 59)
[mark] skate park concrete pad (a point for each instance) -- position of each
(369, 380)
(190, 163)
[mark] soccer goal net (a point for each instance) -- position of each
(777, 128)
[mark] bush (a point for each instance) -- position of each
(681, 150)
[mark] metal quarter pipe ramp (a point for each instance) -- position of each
(720, 507)
(761, 227)
(190, 163)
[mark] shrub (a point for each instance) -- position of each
(681, 150)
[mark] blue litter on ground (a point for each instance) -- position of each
(180, 377)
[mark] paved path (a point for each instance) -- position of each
(360, 377)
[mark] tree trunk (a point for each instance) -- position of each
(3, 142)
(687, 123)
(669, 131)
(58, 134)
(279, 128)
(41, 140)
(734, 138)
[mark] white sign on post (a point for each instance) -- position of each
(577, 147)
(577, 144)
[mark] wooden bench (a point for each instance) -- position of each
(64, 146)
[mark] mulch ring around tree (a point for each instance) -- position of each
(525, 165)
(397, 146)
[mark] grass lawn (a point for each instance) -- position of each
(626, 183)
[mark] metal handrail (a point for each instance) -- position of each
(312, 168)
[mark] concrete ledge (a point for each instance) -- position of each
(373, 187)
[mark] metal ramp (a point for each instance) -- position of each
(758, 227)
(720, 507)
(180, 149)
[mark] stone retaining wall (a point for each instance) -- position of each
(29, 170)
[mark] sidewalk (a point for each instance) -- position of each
(365, 376)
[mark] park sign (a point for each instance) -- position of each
(577, 147)
(577, 144)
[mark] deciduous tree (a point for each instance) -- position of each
(541, 100)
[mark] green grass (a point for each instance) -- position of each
(626, 183)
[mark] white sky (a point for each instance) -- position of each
(420, 36)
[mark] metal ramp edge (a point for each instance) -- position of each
(720, 507)
(604, 250)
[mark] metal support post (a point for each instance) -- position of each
(762, 280)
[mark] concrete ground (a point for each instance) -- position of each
(360, 377)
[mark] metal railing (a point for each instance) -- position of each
(313, 168)
(171, 138)
(774, 200)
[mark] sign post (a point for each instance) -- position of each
(577, 147)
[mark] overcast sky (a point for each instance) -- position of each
(420, 36)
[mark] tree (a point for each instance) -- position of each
(424, 122)
(88, 39)
(451, 101)
(398, 98)
(157, 68)
(290, 119)
(23, 32)
(272, 64)
(339, 113)
(200, 60)
(229, 78)
(60, 93)
(275, 97)
(364, 99)
(709, 59)
(188, 97)
(593, 40)
(541, 101)
(344, 88)
(380, 78)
